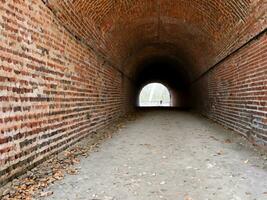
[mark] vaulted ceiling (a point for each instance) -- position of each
(198, 33)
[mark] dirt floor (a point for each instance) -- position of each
(171, 155)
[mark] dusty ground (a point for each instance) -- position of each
(160, 155)
(172, 156)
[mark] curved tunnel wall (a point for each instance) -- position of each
(53, 89)
(65, 75)
(234, 93)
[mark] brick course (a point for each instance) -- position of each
(67, 67)
(53, 89)
(199, 32)
(234, 93)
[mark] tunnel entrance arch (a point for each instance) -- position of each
(154, 95)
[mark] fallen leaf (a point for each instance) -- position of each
(227, 141)
(58, 175)
(72, 171)
(214, 138)
(46, 194)
(75, 161)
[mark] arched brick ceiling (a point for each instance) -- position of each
(198, 32)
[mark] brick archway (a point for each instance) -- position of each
(70, 68)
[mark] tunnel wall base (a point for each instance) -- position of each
(54, 90)
(234, 93)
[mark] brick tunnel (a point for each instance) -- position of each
(71, 68)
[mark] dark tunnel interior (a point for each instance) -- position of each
(168, 71)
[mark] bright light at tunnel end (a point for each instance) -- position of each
(154, 95)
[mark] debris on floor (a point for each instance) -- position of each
(33, 184)
(191, 160)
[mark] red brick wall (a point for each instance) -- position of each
(56, 88)
(53, 89)
(198, 32)
(234, 93)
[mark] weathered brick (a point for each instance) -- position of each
(67, 67)
(49, 83)
(234, 93)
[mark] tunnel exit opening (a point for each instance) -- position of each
(154, 95)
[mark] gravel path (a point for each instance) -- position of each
(169, 155)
